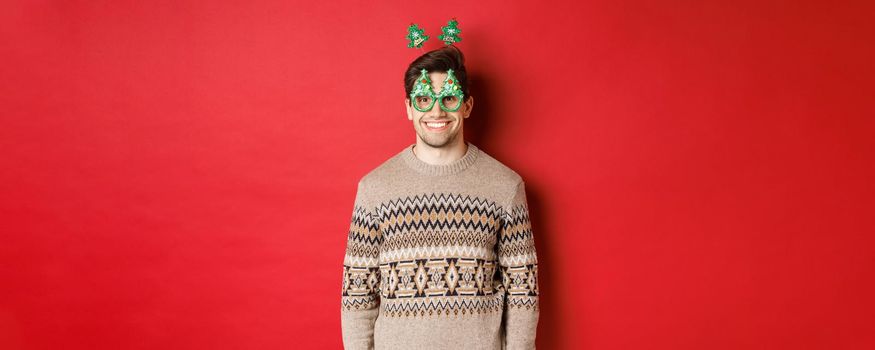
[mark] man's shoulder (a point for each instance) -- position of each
(383, 172)
(497, 171)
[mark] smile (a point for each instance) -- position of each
(437, 126)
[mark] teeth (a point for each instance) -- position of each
(436, 125)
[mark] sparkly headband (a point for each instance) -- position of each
(449, 34)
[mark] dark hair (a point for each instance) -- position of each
(438, 60)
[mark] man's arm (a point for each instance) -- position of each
(518, 267)
(361, 277)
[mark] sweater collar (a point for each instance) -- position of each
(454, 167)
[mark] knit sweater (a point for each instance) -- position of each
(440, 257)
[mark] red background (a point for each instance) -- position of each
(180, 175)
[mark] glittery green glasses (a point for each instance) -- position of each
(450, 96)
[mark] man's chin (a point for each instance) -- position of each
(436, 142)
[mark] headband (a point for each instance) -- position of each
(422, 96)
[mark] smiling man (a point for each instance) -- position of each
(440, 252)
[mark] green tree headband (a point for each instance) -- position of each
(423, 96)
(449, 34)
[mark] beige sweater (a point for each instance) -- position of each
(440, 257)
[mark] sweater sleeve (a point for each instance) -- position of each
(361, 277)
(518, 267)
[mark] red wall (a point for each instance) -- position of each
(180, 175)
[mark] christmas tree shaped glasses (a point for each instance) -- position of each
(450, 95)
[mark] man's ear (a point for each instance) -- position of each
(469, 105)
(407, 106)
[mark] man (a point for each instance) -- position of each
(440, 252)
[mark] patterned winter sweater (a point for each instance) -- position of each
(440, 257)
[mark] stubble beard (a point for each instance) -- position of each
(436, 141)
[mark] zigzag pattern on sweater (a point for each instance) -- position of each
(364, 239)
(425, 244)
(439, 212)
(516, 245)
(528, 303)
(434, 252)
(432, 238)
(441, 306)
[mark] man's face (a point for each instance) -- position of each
(437, 127)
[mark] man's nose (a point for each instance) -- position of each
(436, 110)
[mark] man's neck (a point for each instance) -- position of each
(440, 156)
